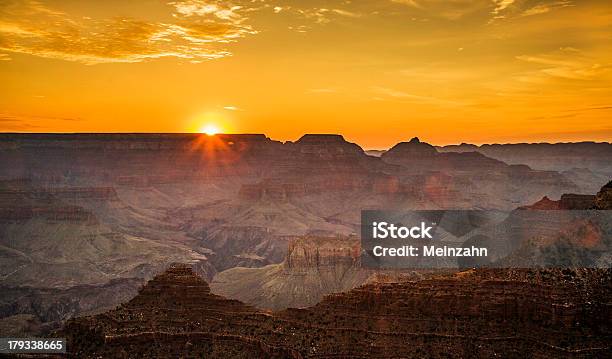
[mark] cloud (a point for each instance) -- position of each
(25, 122)
(445, 9)
(199, 31)
(593, 108)
(321, 90)
(408, 97)
(232, 108)
(325, 15)
(501, 5)
(5, 117)
(564, 64)
(412, 3)
(509, 9)
(546, 7)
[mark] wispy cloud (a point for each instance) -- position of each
(592, 108)
(445, 9)
(408, 97)
(545, 7)
(7, 117)
(26, 122)
(501, 5)
(199, 31)
(321, 90)
(412, 3)
(325, 15)
(564, 64)
(511, 9)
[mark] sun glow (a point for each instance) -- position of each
(210, 129)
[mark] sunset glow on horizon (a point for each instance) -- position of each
(210, 129)
(377, 72)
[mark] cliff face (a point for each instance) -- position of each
(457, 179)
(25, 202)
(36, 311)
(569, 232)
(474, 314)
(313, 267)
(175, 315)
(328, 146)
(566, 202)
(133, 159)
(422, 156)
(254, 168)
(547, 156)
(603, 199)
(61, 237)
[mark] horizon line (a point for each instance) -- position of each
(310, 133)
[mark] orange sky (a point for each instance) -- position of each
(377, 72)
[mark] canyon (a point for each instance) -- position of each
(476, 314)
(247, 213)
(529, 236)
(585, 163)
(313, 267)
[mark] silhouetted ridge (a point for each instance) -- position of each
(481, 313)
(321, 138)
(328, 144)
(547, 156)
(412, 148)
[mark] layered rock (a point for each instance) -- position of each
(273, 190)
(313, 267)
(603, 199)
(547, 156)
(566, 202)
(468, 179)
(135, 158)
(81, 209)
(327, 146)
(421, 156)
(475, 314)
(569, 232)
(175, 315)
(317, 164)
(62, 237)
(36, 311)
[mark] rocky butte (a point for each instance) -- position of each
(473, 314)
(313, 267)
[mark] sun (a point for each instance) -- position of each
(210, 129)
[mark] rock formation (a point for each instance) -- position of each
(313, 267)
(566, 202)
(30, 311)
(547, 156)
(603, 199)
(476, 314)
(462, 179)
(85, 209)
